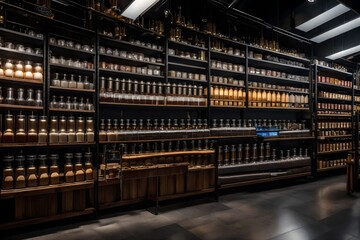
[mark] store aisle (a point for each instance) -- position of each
(316, 210)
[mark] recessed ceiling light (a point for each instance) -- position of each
(311, 1)
(337, 31)
(323, 18)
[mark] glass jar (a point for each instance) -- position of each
(38, 100)
(20, 172)
(68, 168)
(53, 103)
(88, 105)
(64, 82)
(54, 130)
(9, 68)
(30, 97)
(55, 82)
(20, 136)
(32, 135)
(61, 103)
(20, 97)
(43, 132)
(80, 84)
(72, 82)
(89, 129)
(88, 166)
(10, 96)
(8, 173)
(43, 171)
(79, 172)
(71, 129)
(80, 136)
(19, 69)
(87, 84)
(31, 173)
(38, 74)
(62, 130)
(54, 169)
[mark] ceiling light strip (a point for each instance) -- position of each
(337, 31)
(138, 7)
(323, 18)
(344, 53)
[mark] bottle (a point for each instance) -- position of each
(8, 173)
(268, 99)
(254, 153)
(71, 137)
(273, 99)
(80, 84)
(64, 83)
(291, 100)
(43, 171)
(220, 155)
(10, 99)
(261, 157)
(278, 99)
(54, 169)
(62, 130)
(43, 132)
(38, 100)
(30, 101)
(20, 135)
(20, 172)
(20, 97)
(283, 99)
(80, 135)
(233, 154)
(54, 130)
(102, 132)
(55, 82)
(79, 171)
(90, 130)
(68, 168)
(247, 153)
(267, 150)
(88, 166)
(32, 135)
(31, 173)
(239, 154)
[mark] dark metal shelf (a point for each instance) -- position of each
(12, 53)
(22, 145)
(72, 89)
(114, 72)
(187, 80)
(276, 80)
(185, 66)
(330, 70)
(225, 73)
(186, 61)
(56, 48)
(185, 45)
(131, 61)
(279, 90)
(21, 81)
(334, 100)
(276, 65)
(70, 68)
(226, 57)
(11, 106)
(334, 87)
(71, 111)
(227, 84)
(20, 36)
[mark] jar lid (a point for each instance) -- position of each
(20, 158)
(42, 157)
(54, 156)
(8, 158)
(69, 155)
(88, 154)
(31, 157)
(78, 155)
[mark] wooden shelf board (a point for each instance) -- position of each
(21, 80)
(72, 89)
(20, 107)
(33, 191)
(165, 154)
(16, 145)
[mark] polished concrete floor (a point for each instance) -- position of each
(313, 210)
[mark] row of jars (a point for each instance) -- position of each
(218, 46)
(335, 81)
(337, 96)
(71, 62)
(72, 82)
(129, 55)
(152, 124)
(22, 70)
(327, 107)
(26, 31)
(34, 170)
(133, 91)
(191, 39)
(29, 129)
(239, 154)
(187, 75)
(227, 66)
(258, 123)
(227, 93)
(70, 130)
(167, 146)
(335, 66)
(201, 55)
(277, 87)
(263, 98)
(278, 74)
(227, 80)
(328, 133)
(20, 47)
(28, 99)
(327, 147)
(271, 58)
(71, 104)
(333, 125)
(149, 70)
(331, 163)
(32, 129)
(70, 44)
(273, 45)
